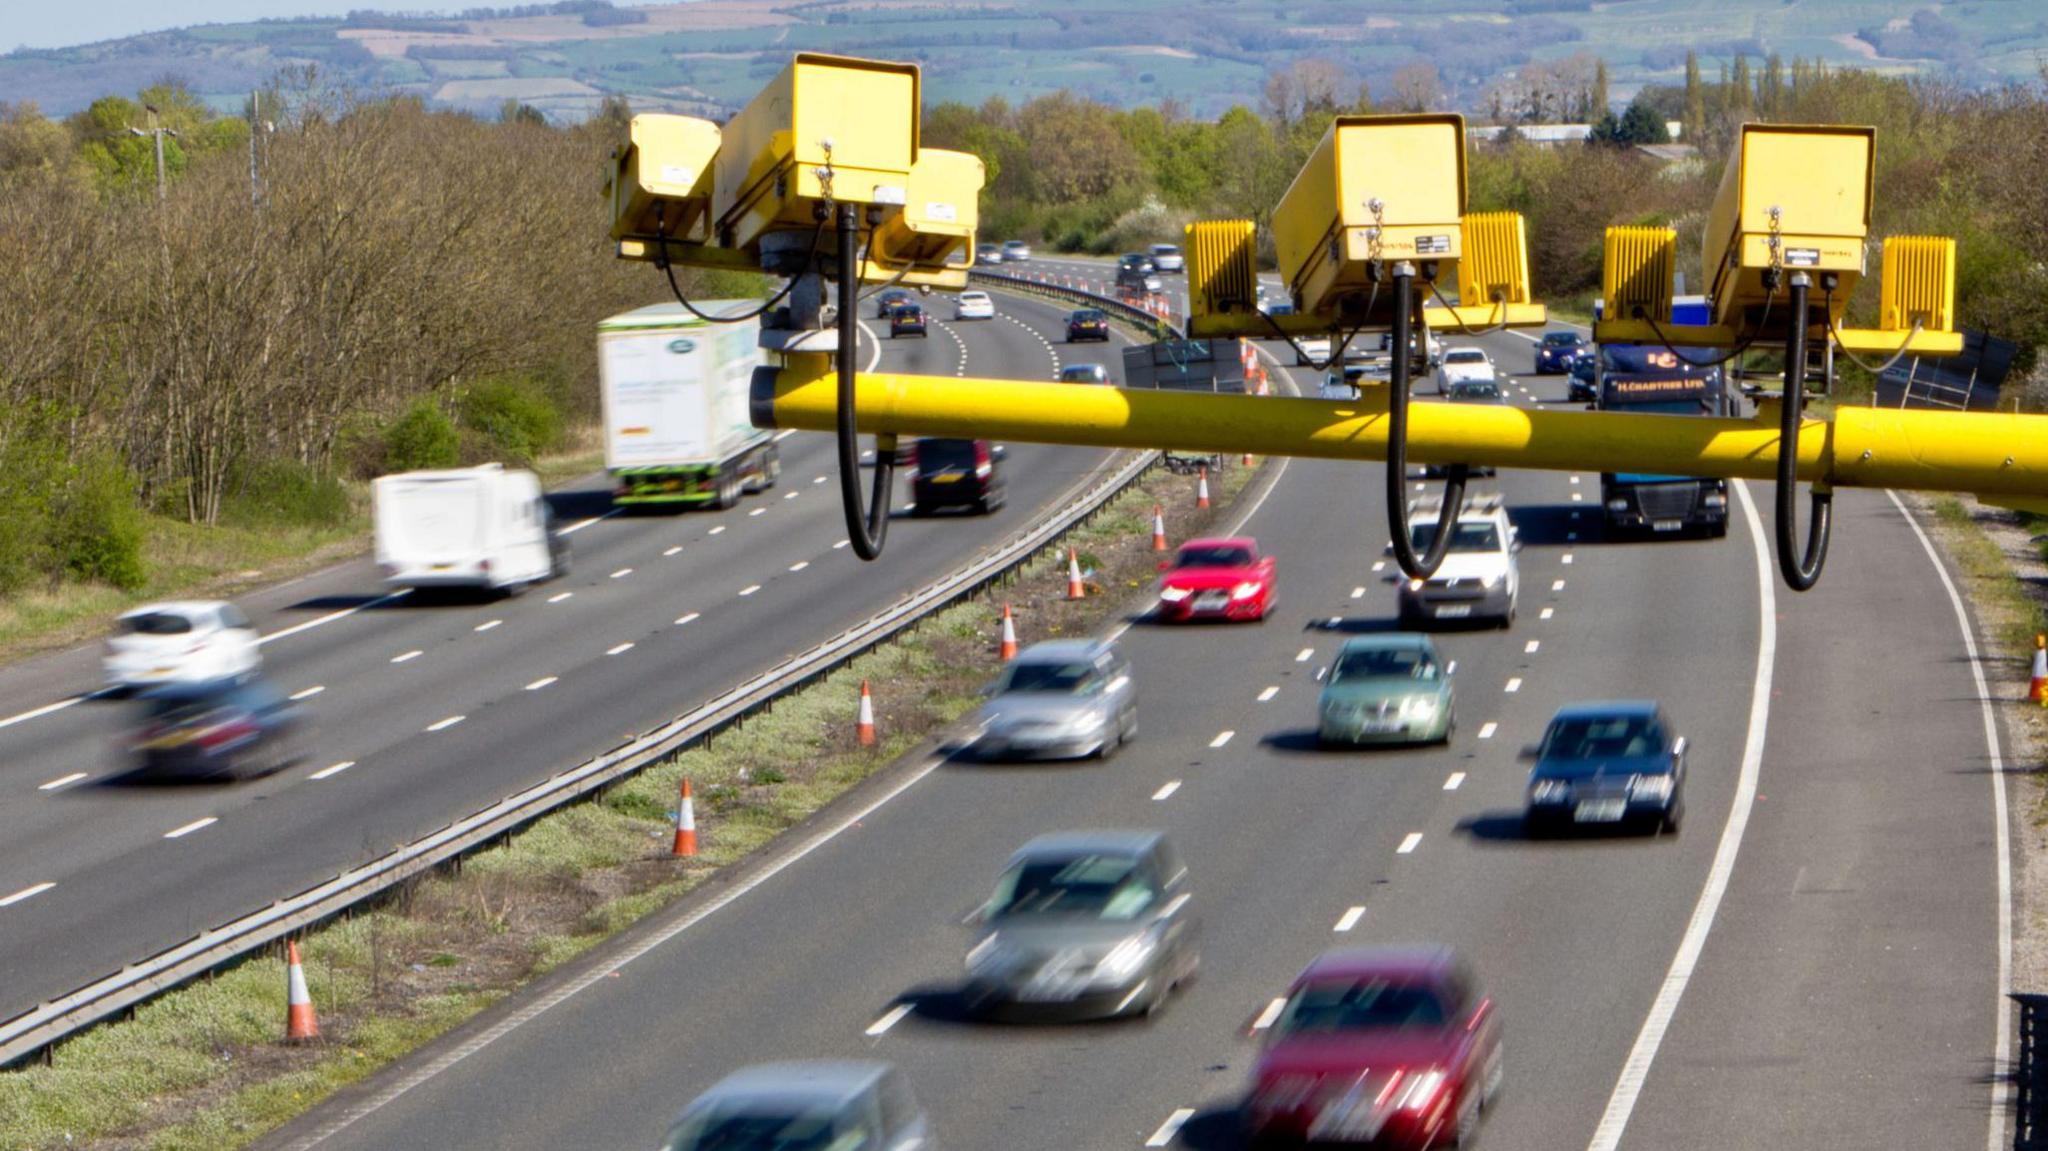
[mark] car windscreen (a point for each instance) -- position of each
(1464, 357)
(1335, 1007)
(1101, 886)
(1465, 537)
(758, 1129)
(1049, 676)
(156, 623)
(1602, 737)
(1384, 663)
(1165, 250)
(936, 455)
(1213, 557)
(1476, 391)
(1560, 339)
(1083, 374)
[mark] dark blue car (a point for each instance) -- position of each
(1584, 383)
(1556, 351)
(1608, 764)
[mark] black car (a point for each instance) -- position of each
(1139, 279)
(892, 299)
(215, 728)
(1137, 261)
(1607, 764)
(1583, 384)
(1556, 351)
(1087, 324)
(955, 474)
(907, 320)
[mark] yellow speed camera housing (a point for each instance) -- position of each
(1794, 197)
(931, 241)
(661, 179)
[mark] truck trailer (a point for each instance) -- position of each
(676, 424)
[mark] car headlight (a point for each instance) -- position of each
(1422, 1090)
(1244, 590)
(1125, 959)
(991, 954)
(1617, 505)
(1415, 584)
(1174, 594)
(1492, 581)
(1421, 707)
(1657, 787)
(1550, 791)
(1714, 500)
(1087, 721)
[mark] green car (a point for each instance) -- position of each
(1386, 689)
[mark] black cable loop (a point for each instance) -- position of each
(1500, 307)
(868, 532)
(661, 261)
(1425, 565)
(1919, 322)
(1762, 320)
(1336, 350)
(1801, 572)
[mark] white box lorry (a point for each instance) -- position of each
(485, 527)
(676, 424)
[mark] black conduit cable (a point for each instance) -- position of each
(661, 261)
(1836, 332)
(1801, 573)
(1424, 565)
(867, 532)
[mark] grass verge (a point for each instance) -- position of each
(204, 1067)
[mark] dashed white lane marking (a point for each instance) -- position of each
(62, 780)
(1358, 593)
(1557, 585)
(758, 511)
(1514, 685)
(1349, 919)
(1409, 844)
(1530, 647)
(1270, 1015)
(29, 892)
(1267, 695)
(1379, 565)
(1169, 1129)
(840, 544)
(1571, 536)
(1304, 655)
(1166, 790)
(560, 596)
(690, 618)
(1456, 779)
(307, 692)
(750, 589)
(1567, 557)
(790, 495)
(542, 682)
(334, 770)
(572, 529)
(1333, 621)
(819, 480)
(445, 724)
(622, 573)
(1576, 497)
(799, 565)
(716, 530)
(1546, 613)
(46, 709)
(1221, 739)
(784, 434)
(881, 1026)
(195, 825)
(620, 649)
(673, 550)
(487, 625)
(1487, 729)
(408, 656)
(1575, 479)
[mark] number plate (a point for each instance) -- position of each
(1601, 811)
(1211, 600)
(1454, 611)
(1667, 525)
(1380, 726)
(1060, 992)
(946, 478)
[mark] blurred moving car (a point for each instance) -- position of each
(1393, 1046)
(1063, 699)
(1432, 347)
(1016, 251)
(1217, 578)
(907, 320)
(1085, 924)
(988, 253)
(1584, 383)
(946, 473)
(890, 299)
(1167, 258)
(974, 305)
(1479, 578)
(222, 727)
(1390, 688)
(812, 1105)
(487, 528)
(1609, 763)
(186, 641)
(1474, 392)
(1349, 383)
(1085, 374)
(1464, 365)
(1309, 351)
(1087, 324)
(1556, 351)
(1134, 279)
(1135, 261)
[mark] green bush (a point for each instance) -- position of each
(96, 525)
(285, 492)
(424, 437)
(515, 417)
(31, 467)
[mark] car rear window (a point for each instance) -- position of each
(1083, 374)
(156, 623)
(1335, 1007)
(1086, 315)
(934, 454)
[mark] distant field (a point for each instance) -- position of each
(1205, 54)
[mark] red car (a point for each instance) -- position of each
(1389, 1046)
(1224, 578)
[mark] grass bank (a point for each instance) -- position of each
(204, 1068)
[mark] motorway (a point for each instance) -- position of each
(1813, 963)
(424, 713)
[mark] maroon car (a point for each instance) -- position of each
(1388, 1046)
(1222, 578)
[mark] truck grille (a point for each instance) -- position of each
(1667, 501)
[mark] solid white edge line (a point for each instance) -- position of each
(29, 892)
(62, 780)
(603, 971)
(881, 1026)
(2001, 1094)
(1167, 1130)
(1628, 1085)
(195, 825)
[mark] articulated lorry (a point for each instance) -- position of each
(1652, 379)
(676, 425)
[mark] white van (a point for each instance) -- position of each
(483, 527)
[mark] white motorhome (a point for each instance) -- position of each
(485, 527)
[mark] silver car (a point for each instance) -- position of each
(1085, 924)
(1016, 251)
(1066, 699)
(1167, 258)
(819, 1105)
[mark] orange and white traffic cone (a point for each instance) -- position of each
(2038, 690)
(1158, 529)
(686, 824)
(1202, 489)
(1009, 648)
(299, 1024)
(1074, 588)
(864, 727)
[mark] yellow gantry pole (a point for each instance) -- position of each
(1997, 455)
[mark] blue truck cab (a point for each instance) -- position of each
(1648, 379)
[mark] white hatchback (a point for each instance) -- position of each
(183, 642)
(974, 306)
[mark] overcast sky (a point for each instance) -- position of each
(46, 24)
